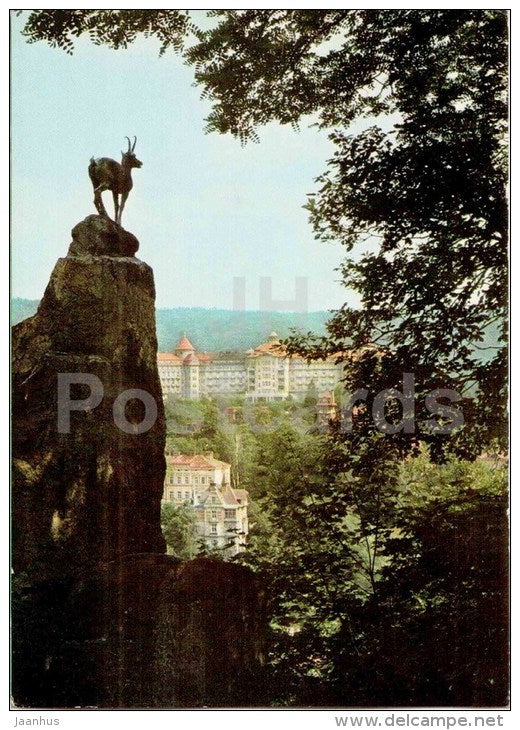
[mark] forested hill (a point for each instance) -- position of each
(212, 329)
(225, 329)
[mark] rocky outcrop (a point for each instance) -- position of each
(99, 236)
(101, 616)
(93, 493)
(143, 631)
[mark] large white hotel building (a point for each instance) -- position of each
(265, 373)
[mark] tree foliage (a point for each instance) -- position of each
(115, 28)
(424, 183)
(178, 527)
(388, 590)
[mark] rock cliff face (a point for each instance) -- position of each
(101, 616)
(94, 493)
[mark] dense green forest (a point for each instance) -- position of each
(212, 329)
(386, 587)
(220, 330)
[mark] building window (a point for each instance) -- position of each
(203, 480)
(171, 495)
(229, 513)
(213, 514)
(170, 479)
(213, 529)
(186, 495)
(186, 480)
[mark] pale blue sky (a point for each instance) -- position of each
(204, 208)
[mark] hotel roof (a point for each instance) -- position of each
(167, 357)
(273, 347)
(185, 344)
(196, 461)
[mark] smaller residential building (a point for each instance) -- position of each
(204, 484)
(327, 408)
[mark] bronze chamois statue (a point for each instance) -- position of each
(107, 174)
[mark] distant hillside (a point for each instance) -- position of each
(212, 329)
(222, 329)
(225, 329)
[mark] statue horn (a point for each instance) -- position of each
(133, 146)
(129, 144)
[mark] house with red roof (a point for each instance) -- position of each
(204, 484)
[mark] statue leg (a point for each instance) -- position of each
(116, 206)
(98, 202)
(124, 196)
